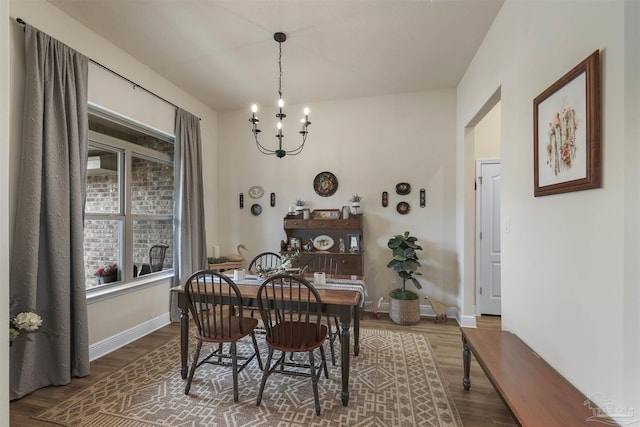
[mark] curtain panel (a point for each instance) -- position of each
(47, 260)
(191, 239)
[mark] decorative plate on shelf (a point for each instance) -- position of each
(403, 208)
(256, 192)
(403, 188)
(256, 209)
(323, 243)
(325, 184)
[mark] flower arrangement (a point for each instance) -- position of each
(108, 270)
(356, 198)
(287, 260)
(301, 203)
(22, 324)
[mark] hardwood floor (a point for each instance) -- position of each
(478, 407)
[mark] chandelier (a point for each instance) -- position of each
(280, 152)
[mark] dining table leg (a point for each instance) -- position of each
(346, 350)
(184, 341)
(356, 330)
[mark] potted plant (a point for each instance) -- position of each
(404, 305)
(107, 274)
(300, 204)
(355, 204)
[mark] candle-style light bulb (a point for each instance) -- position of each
(279, 125)
(280, 103)
(306, 111)
(254, 108)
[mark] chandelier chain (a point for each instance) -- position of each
(280, 70)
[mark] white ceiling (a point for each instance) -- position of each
(222, 52)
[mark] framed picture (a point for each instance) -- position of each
(353, 241)
(325, 214)
(566, 132)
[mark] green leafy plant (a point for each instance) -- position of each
(301, 202)
(218, 260)
(356, 198)
(405, 263)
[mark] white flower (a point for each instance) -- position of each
(28, 321)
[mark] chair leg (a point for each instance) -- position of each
(314, 382)
(265, 373)
(257, 350)
(196, 355)
(234, 363)
(324, 362)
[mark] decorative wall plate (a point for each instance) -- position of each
(256, 192)
(325, 184)
(256, 209)
(403, 208)
(323, 243)
(403, 188)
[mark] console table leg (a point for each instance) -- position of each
(466, 358)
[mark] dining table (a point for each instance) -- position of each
(341, 295)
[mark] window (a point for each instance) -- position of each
(129, 203)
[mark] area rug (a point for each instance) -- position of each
(395, 381)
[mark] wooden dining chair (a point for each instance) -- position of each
(291, 310)
(214, 302)
(266, 260)
(327, 264)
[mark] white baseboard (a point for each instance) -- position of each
(425, 310)
(467, 321)
(123, 338)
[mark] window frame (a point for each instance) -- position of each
(127, 151)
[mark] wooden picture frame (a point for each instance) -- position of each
(566, 132)
(325, 214)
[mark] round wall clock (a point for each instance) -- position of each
(325, 184)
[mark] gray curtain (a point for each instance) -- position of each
(191, 240)
(47, 263)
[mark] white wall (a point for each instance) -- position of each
(569, 263)
(486, 135)
(370, 144)
(109, 317)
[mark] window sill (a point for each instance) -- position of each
(107, 292)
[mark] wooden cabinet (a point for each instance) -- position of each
(308, 229)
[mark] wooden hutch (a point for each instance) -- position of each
(307, 230)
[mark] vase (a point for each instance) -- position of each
(404, 312)
(355, 208)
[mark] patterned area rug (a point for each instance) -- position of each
(394, 382)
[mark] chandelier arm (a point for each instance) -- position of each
(261, 148)
(298, 150)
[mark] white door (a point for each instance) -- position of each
(488, 286)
